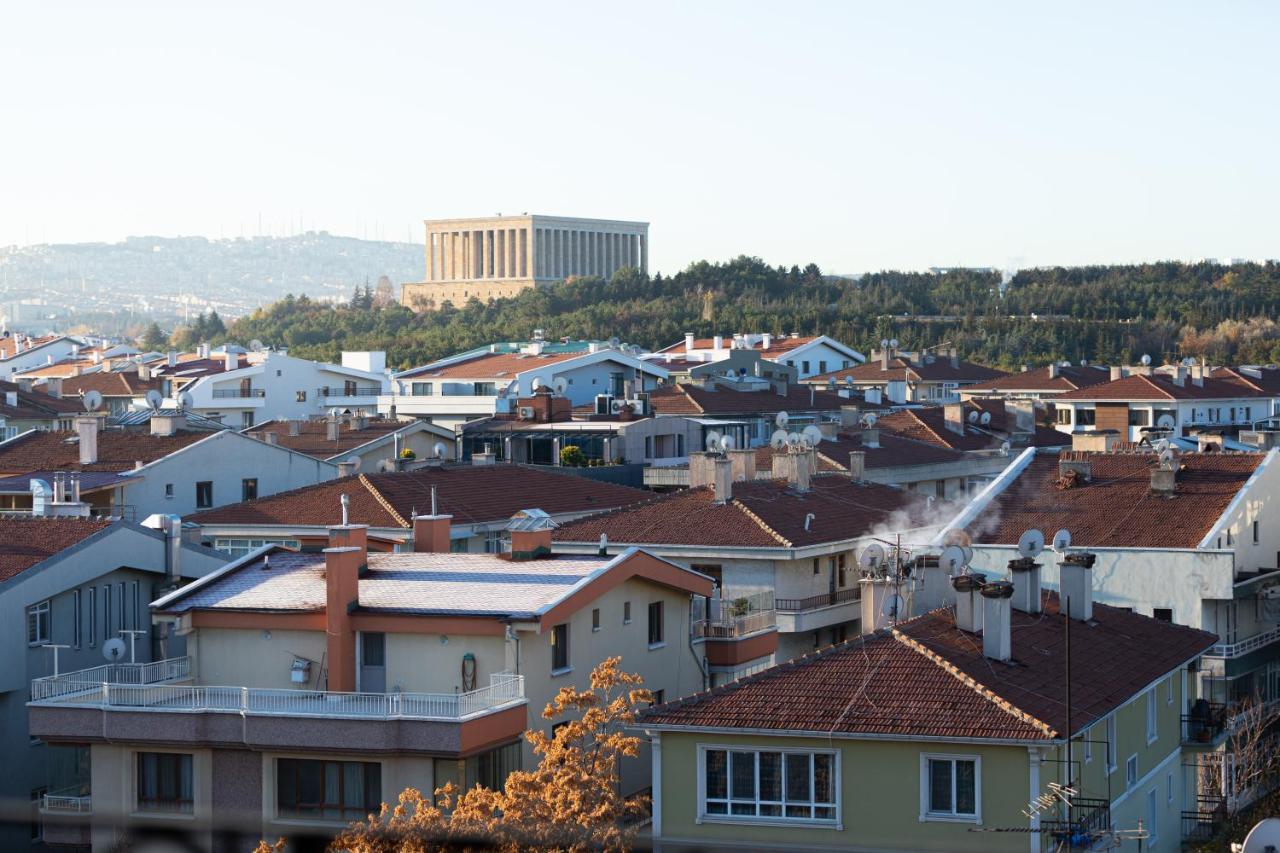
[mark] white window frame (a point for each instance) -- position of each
(1131, 771)
(42, 613)
(76, 631)
(927, 816)
(1153, 817)
(836, 823)
(1153, 717)
(1088, 745)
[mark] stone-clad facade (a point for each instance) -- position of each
(496, 257)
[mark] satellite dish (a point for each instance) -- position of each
(1264, 836)
(561, 385)
(256, 345)
(353, 461)
(953, 560)
(1146, 359)
(848, 380)
(92, 400)
(893, 342)
(812, 433)
(385, 465)
(893, 605)
(793, 438)
(1062, 540)
(537, 383)
(154, 399)
(1004, 448)
(869, 419)
(973, 416)
(884, 343)
(1162, 445)
(872, 556)
(957, 536)
(831, 384)
(1031, 543)
(439, 450)
(1165, 421)
(781, 419)
(779, 439)
(185, 400)
(713, 441)
(726, 442)
(113, 649)
(984, 418)
(1166, 456)
(614, 341)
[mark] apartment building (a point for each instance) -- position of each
(339, 439)
(746, 408)
(318, 685)
(1041, 384)
(480, 498)
(1184, 538)
(24, 410)
(897, 376)
(951, 731)
(976, 424)
(783, 547)
(19, 352)
(71, 589)
(809, 355)
(487, 381)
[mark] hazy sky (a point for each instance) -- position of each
(856, 135)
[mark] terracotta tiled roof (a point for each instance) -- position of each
(118, 450)
(1160, 387)
(939, 370)
(1116, 507)
(194, 368)
(24, 542)
(116, 383)
(494, 365)
(927, 678)
(761, 514)
(312, 438)
(33, 405)
(689, 399)
(472, 494)
(1068, 379)
(9, 345)
(929, 425)
(893, 451)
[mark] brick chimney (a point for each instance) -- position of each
(431, 534)
(87, 430)
(345, 560)
(997, 621)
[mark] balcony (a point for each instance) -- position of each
(70, 801)
(238, 393)
(1203, 823)
(146, 702)
(1088, 821)
(797, 615)
(737, 631)
(1205, 725)
(327, 393)
(1245, 646)
(66, 816)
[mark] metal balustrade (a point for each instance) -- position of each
(1245, 646)
(733, 617)
(327, 392)
(73, 800)
(83, 689)
(238, 393)
(813, 602)
(153, 672)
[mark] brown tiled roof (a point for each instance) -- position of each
(893, 451)
(761, 514)
(926, 678)
(312, 439)
(472, 494)
(929, 425)
(9, 345)
(194, 368)
(1159, 386)
(493, 365)
(1068, 379)
(1116, 508)
(1268, 380)
(938, 370)
(33, 405)
(24, 542)
(690, 399)
(118, 450)
(116, 383)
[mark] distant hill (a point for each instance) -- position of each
(168, 277)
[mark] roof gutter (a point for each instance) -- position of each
(721, 730)
(1218, 525)
(984, 498)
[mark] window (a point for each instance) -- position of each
(1111, 743)
(137, 606)
(1064, 416)
(106, 612)
(485, 389)
(1152, 716)
(1153, 818)
(595, 619)
(626, 613)
(816, 568)
(422, 389)
(164, 782)
(1255, 533)
(239, 547)
(93, 616)
(1139, 417)
(659, 696)
(168, 491)
(38, 616)
(822, 366)
(1163, 614)
(949, 787)
(204, 494)
(300, 397)
(1131, 771)
(804, 367)
(493, 542)
(1168, 786)
(492, 768)
(656, 632)
(768, 785)
(75, 619)
(328, 790)
(1086, 417)
(1088, 745)
(560, 647)
(249, 488)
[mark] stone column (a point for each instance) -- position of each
(523, 263)
(644, 253)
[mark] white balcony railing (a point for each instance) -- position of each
(504, 689)
(1245, 646)
(155, 672)
(67, 801)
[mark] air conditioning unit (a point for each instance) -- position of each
(640, 405)
(616, 405)
(604, 404)
(526, 413)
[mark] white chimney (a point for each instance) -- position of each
(1053, 370)
(857, 464)
(166, 425)
(295, 428)
(870, 437)
(87, 430)
(953, 417)
(688, 341)
(11, 398)
(1180, 376)
(1076, 586)
(144, 372)
(230, 361)
(331, 430)
(723, 483)
(997, 621)
(1117, 372)
(171, 359)
(53, 386)
(1025, 573)
(346, 469)
(717, 343)
(968, 589)
(936, 590)
(884, 359)
(766, 340)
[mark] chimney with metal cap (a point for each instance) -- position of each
(1025, 573)
(968, 590)
(1076, 585)
(997, 621)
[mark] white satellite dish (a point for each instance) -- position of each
(385, 465)
(185, 400)
(1166, 456)
(848, 380)
(893, 606)
(92, 400)
(869, 420)
(439, 450)
(812, 433)
(1062, 540)
(1264, 836)
(1031, 543)
(973, 416)
(114, 649)
(884, 343)
(781, 420)
(985, 418)
(726, 442)
(779, 439)
(537, 383)
(354, 461)
(872, 556)
(957, 536)
(1165, 421)
(1146, 359)
(713, 441)
(256, 345)
(953, 560)
(154, 399)
(893, 342)
(561, 385)
(793, 438)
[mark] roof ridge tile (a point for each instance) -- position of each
(786, 543)
(377, 496)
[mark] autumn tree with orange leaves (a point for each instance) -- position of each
(570, 802)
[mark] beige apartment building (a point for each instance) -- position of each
(499, 256)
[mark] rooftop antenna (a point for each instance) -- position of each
(812, 434)
(133, 642)
(872, 557)
(1146, 360)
